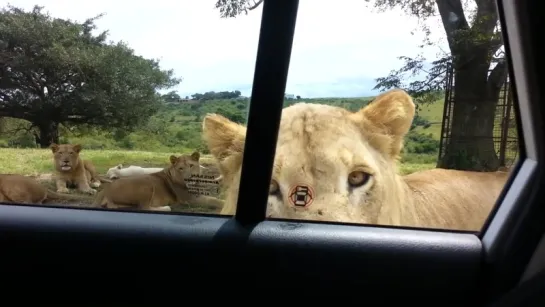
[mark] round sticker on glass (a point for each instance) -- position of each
(301, 196)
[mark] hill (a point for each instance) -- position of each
(176, 127)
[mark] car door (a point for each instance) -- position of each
(280, 257)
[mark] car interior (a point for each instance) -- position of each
(97, 256)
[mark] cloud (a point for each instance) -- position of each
(338, 49)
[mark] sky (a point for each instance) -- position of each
(338, 50)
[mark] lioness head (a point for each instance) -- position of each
(113, 172)
(183, 167)
(331, 164)
(66, 156)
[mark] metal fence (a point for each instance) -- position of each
(505, 134)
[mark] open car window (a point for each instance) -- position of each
(352, 156)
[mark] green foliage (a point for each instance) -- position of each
(420, 121)
(233, 8)
(216, 95)
(419, 143)
(56, 71)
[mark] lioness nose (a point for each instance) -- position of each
(65, 161)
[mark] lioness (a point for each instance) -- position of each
(335, 165)
(157, 191)
(21, 189)
(71, 169)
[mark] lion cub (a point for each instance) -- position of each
(71, 169)
(157, 191)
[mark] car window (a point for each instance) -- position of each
(95, 94)
(394, 114)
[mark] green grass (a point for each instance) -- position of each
(40, 161)
(411, 163)
(433, 113)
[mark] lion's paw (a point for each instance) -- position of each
(63, 190)
(95, 184)
(91, 191)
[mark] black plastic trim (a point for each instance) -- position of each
(511, 237)
(416, 264)
(271, 74)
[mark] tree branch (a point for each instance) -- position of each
(26, 128)
(497, 76)
(454, 21)
(487, 17)
(256, 4)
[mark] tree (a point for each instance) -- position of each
(172, 96)
(480, 69)
(216, 95)
(233, 8)
(55, 71)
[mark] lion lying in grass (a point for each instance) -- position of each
(158, 191)
(70, 169)
(347, 163)
(21, 189)
(118, 171)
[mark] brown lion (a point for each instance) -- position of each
(335, 165)
(21, 189)
(158, 191)
(71, 170)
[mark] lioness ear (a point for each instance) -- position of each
(173, 159)
(77, 148)
(120, 166)
(196, 156)
(54, 147)
(222, 136)
(390, 116)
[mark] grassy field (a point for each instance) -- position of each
(40, 161)
(434, 114)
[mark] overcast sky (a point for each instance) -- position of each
(338, 49)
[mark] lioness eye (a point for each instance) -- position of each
(357, 179)
(273, 187)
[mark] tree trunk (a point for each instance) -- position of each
(49, 133)
(471, 144)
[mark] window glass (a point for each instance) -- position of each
(396, 113)
(102, 103)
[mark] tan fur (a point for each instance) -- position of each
(21, 189)
(324, 146)
(157, 191)
(79, 172)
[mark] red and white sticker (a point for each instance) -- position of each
(301, 196)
